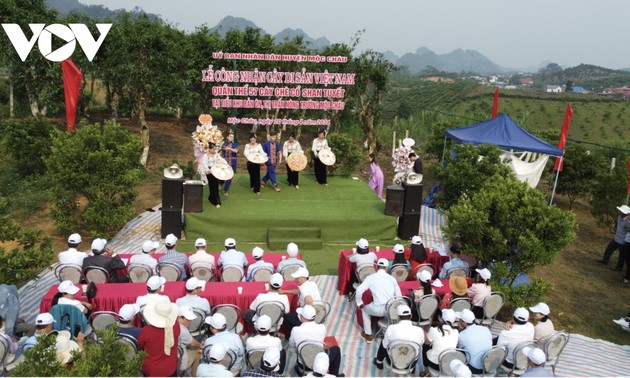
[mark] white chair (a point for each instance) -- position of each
(232, 316)
(322, 309)
(426, 266)
(403, 356)
(491, 307)
(427, 307)
(129, 343)
(444, 361)
(232, 273)
(458, 272)
(459, 304)
(288, 270)
(202, 270)
(262, 274)
(95, 274)
(70, 272)
(391, 314)
(364, 270)
(493, 359)
(170, 272)
(307, 350)
(274, 310)
(139, 272)
(101, 320)
(520, 359)
(400, 272)
(228, 361)
(253, 358)
(553, 346)
(196, 325)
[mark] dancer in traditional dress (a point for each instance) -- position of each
(289, 147)
(319, 144)
(376, 177)
(251, 149)
(230, 151)
(213, 158)
(273, 151)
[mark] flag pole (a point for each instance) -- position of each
(555, 182)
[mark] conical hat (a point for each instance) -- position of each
(258, 158)
(327, 157)
(222, 171)
(297, 161)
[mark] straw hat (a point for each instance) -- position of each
(458, 285)
(162, 314)
(297, 161)
(258, 158)
(222, 171)
(65, 347)
(327, 157)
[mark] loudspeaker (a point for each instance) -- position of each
(413, 198)
(193, 198)
(408, 226)
(172, 193)
(394, 200)
(172, 222)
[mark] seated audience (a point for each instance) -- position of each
(416, 254)
(146, 257)
(520, 331)
(320, 366)
(269, 365)
(399, 257)
(309, 331)
(459, 289)
(257, 253)
(263, 340)
(214, 368)
(159, 338)
(292, 252)
(544, 326)
(154, 283)
(456, 262)
(194, 286)
(308, 292)
(106, 259)
(474, 339)
(173, 257)
(65, 346)
(219, 334)
(535, 360)
(43, 326)
(72, 255)
(126, 317)
(68, 290)
(404, 330)
(192, 348)
(12, 346)
(440, 338)
(275, 283)
(425, 289)
(459, 369)
(231, 256)
(200, 254)
(362, 258)
(479, 291)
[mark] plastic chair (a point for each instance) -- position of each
(170, 272)
(444, 361)
(130, 343)
(139, 272)
(391, 315)
(400, 272)
(458, 272)
(322, 310)
(232, 316)
(228, 361)
(403, 356)
(307, 350)
(491, 307)
(70, 272)
(520, 359)
(493, 359)
(553, 346)
(288, 270)
(202, 270)
(101, 320)
(426, 266)
(274, 310)
(262, 274)
(96, 274)
(459, 304)
(254, 357)
(196, 325)
(365, 270)
(427, 307)
(232, 273)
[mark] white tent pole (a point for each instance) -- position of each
(556, 181)
(443, 149)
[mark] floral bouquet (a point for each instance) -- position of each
(205, 134)
(401, 163)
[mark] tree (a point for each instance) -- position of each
(580, 168)
(95, 173)
(28, 142)
(609, 187)
(568, 87)
(31, 252)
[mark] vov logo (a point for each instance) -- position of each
(72, 34)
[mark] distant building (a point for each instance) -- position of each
(580, 90)
(439, 79)
(510, 87)
(527, 81)
(553, 88)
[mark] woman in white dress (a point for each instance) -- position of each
(213, 157)
(289, 147)
(319, 144)
(253, 169)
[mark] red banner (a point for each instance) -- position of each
(71, 90)
(563, 137)
(495, 104)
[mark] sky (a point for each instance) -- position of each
(514, 34)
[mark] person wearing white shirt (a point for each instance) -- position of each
(212, 158)
(383, 287)
(289, 147)
(522, 330)
(193, 287)
(230, 340)
(72, 255)
(201, 255)
(441, 338)
(544, 327)
(253, 169)
(68, 290)
(154, 283)
(257, 253)
(191, 357)
(319, 144)
(214, 368)
(231, 256)
(263, 340)
(403, 331)
(148, 249)
(292, 252)
(479, 291)
(362, 258)
(275, 283)
(309, 293)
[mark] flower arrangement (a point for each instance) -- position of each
(401, 163)
(205, 134)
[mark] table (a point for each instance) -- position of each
(346, 268)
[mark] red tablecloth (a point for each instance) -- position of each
(111, 296)
(346, 268)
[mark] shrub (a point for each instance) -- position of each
(348, 155)
(31, 253)
(27, 140)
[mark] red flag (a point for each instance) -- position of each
(71, 90)
(628, 176)
(495, 104)
(563, 137)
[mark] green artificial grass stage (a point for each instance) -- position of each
(345, 211)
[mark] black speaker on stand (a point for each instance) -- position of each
(408, 226)
(172, 193)
(172, 222)
(394, 200)
(193, 197)
(409, 222)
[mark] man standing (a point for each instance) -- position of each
(173, 257)
(623, 220)
(111, 263)
(274, 152)
(383, 287)
(230, 153)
